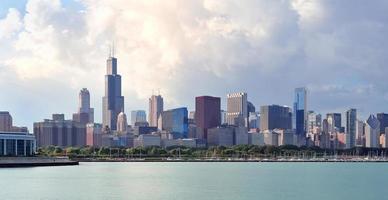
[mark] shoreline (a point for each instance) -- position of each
(13, 162)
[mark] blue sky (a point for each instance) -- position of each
(51, 49)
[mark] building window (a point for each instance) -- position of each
(10, 145)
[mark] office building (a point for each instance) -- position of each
(383, 119)
(240, 136)
(85, 113)
(256, 138)
(147, 140)
(334, 120)
(314, 122)
(360, 133)
(220, 136)
(351, 126)
(372, 132)
(17, 144)
(5, 121)
(138, 116)
(275, 117)
(175, 121)
(254, 120)
(300, 111)
(155, 109)
(237, 109)
(207, 113)
(60, 132)
(94, 134)
(112, 102)
(271, 138)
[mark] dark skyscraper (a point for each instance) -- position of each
(336, 120)
(275, 116)
(112, 102)
(351, 123)
(383, 119)
(207, 113)
(300, 111)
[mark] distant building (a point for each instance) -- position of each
(155, 109)
(220, 136)
(85, 114)
(256, 138)
(300, 111)
(17, 144)
(5, 121)
(351, 126)
(237, 109)
(141, 130)
(94, 134)
(175, 121)
(334, 120)
(207, 113)
(271, 138)
(383, 119)
(138, 116)
(60, 132)
(286, 137)
(254, 120)
(372, 132)
(360, 133)
(314, 123)
(113, 101)
(275, 117)
(122, 123)
(147, 140)
(240, 136)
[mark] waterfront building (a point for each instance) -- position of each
(114, 140)
(207, 113)
(314, 122)
(256, 138)
(147, 140)
(113, 101)
(155, 109)
(94, 134)
(275, 117)
(85, 113)
(17, 144)
(60, 132)
(372, 132)
(122, 123)
(141, 130)
(351, 126)
(383, 119)
(237, 109)
(220, 136)
(299, 119)
(271, 138)
(286, 137)
(138, 116)
(240, 136)
(175, 121)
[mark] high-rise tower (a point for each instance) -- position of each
(299, 119)
(112, 102)
(155, 109)
(85, 113)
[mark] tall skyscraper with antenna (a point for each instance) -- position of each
(112, 102)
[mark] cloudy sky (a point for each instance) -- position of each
(50, 49)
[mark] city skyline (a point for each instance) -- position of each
(233, 54)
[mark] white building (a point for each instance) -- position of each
(237, 109)
(271, 138)
(256, 138)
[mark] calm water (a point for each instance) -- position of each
(189, 181)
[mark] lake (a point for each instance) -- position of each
(189, 181)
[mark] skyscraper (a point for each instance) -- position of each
(112, 102)
(155, 109)
(122, 123)
(237, 109)
(138, 116)
(207, 113)
(175, 121)
(299, 119)
(275, 117)
(334, 120)
(383, 119)
(372, 132)
(351, 125)
(85, 114)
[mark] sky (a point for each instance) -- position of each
(50, 49)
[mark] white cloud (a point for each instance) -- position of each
(10, 24)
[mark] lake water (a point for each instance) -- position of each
(189, 181)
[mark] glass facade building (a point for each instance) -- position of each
(299, 119)
(175, 121)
